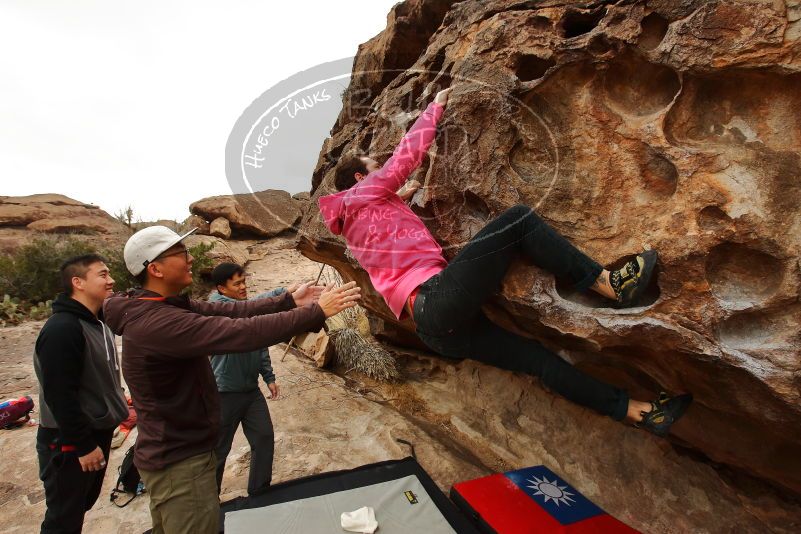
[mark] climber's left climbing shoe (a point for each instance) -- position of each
(630, 281)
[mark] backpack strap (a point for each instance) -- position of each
(115, 493)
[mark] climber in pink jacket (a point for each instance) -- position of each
(406, 267)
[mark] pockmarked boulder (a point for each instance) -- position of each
(263, 214)
(669, 125)
(220, 227)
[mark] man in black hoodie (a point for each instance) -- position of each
(80, 397)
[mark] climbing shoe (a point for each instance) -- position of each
(630, 281)
(664, 412)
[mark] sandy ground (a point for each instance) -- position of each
(327, 421)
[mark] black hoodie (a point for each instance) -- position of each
(79, 375)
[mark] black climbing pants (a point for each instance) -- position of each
(449, 319)
(69, 491)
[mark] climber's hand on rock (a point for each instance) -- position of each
(442, 97)
(409, 188)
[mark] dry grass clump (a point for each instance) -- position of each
(354, 350)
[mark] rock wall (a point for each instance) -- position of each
(671, 125)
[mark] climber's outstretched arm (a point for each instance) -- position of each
(409, 153)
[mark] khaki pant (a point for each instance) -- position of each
(183, 496)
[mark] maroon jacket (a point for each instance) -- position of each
(165, 347)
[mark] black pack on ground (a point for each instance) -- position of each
(128, 482)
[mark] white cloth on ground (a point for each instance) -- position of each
(361, 520)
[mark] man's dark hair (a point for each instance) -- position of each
(347, 166)
(76, 266)
(224, 272)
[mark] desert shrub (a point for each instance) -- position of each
(202, 263)
(201, 284)
(126, 216)
(42, 310)
(123, 280)
(10, 312)
(29, 277)
(31, 273)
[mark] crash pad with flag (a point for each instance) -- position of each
(531, 500)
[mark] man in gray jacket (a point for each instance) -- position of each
(80, 396)
(241, 401)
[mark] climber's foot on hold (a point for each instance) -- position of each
(663, 413)
(630, 281)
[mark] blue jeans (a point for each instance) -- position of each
(449, 319)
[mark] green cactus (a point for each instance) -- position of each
(9, 311)
(43, 310)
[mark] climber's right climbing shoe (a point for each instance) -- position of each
(664, 412)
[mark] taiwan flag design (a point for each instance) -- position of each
(532, 500)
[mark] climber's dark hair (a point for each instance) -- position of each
(347, 166)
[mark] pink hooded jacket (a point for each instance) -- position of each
(391, 243)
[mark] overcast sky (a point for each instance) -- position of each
(118, 103)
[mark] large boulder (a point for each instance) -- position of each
(303, 200)
(196, 221)
(671, 125)
(263, 214)
(220, 227)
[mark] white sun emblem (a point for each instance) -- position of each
(551, 491)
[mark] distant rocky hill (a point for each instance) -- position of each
(229, 226)
(21, 217)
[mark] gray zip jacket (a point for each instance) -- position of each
(76, 363)
(239, 372)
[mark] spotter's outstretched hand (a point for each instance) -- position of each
(335, 299)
